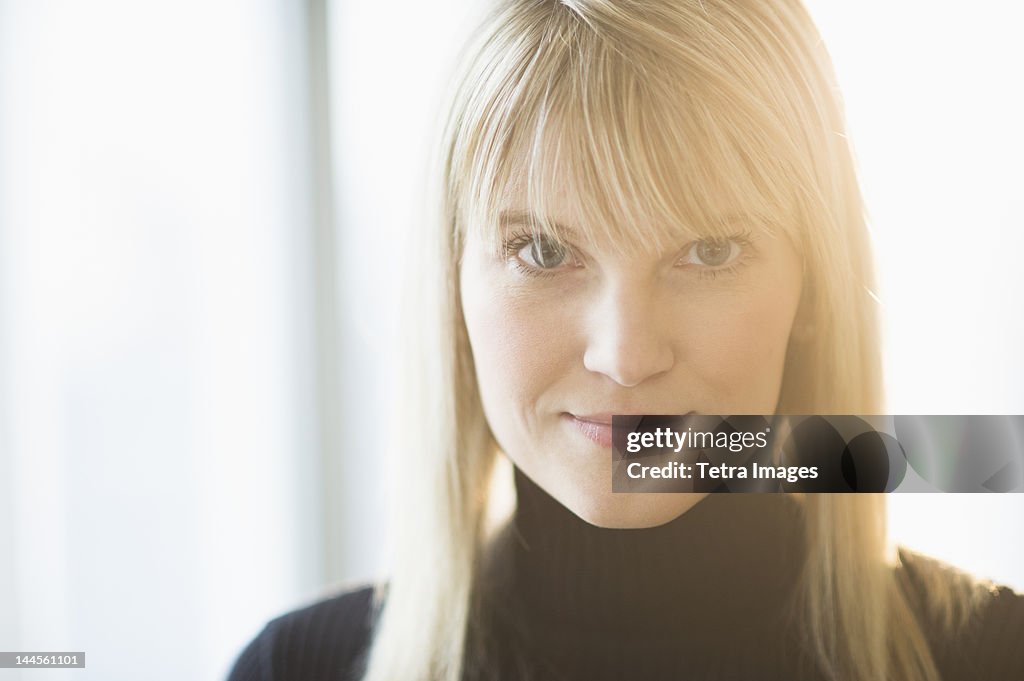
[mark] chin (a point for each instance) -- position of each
(631, 511)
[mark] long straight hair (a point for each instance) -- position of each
(661, 117)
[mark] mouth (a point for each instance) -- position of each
(597, 427)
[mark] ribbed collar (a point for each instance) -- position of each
(720, 577)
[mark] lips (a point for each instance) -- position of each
(597, 427)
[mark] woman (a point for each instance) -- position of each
(649, 208)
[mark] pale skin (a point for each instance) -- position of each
(565, 336)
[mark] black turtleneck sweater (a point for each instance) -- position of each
(706, 596)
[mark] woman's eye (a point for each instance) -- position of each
(712, 253)
(544, 253)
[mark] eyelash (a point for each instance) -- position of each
(744, 241)
(516, 242)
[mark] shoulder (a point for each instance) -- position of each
(984, 636)
(325, 641)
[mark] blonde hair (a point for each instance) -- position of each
(674, 115)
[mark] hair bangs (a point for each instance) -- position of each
(606, 149)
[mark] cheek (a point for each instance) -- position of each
(740, 351)
(516, 355)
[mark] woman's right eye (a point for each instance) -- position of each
(542, 253)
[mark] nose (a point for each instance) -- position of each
(627, 340)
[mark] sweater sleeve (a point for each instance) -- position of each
(990, 645)
(995, 647)
(326, 641)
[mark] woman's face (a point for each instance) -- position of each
(565, 337)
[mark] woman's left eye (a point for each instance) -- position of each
(713, 253)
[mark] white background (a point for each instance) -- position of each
(198, 256)
(933, 112)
